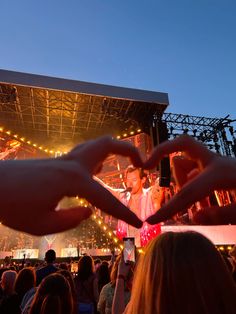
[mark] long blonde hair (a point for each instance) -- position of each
(182, 272)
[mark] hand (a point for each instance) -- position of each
(31, 189)
(123, 268)
(205, 171)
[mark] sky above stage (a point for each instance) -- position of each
(185, 48)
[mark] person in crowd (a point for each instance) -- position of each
(50, 258)
(142, 201)
(10, 301)
(103, 275)
(107, 293)
(97, 263)
(67, 274)
(31, 182)
(86, 286)
(53, 296)
(7, 282)
(180, 272)
(25, 281)
(64, 266)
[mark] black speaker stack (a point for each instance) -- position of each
(159, 134)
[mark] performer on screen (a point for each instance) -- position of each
(142, 201)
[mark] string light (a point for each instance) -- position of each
(30, 143)
(57, 152)
(108, 230)
(124, 135)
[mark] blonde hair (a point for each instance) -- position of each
(8, 281)
(182, 272)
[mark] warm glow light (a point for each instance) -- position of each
(125, 134)
(118, 137)
(94, 216)
(139, 130)
(8, 132)
(132, 132)
(1, 129)
(109, 233)
(22, 139)
(115, 239)
(35, 145)
(28, 142)
(15, 135)
(121, 246)
(104, 227)
(99, 221)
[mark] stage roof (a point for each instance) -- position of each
(53, 110)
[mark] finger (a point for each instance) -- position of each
(195, 190)
(100, 197)
(184, 143)
(62, 220)
(216, 215)
(181, 168)
(95, 152)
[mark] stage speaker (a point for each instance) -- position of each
(159, 134)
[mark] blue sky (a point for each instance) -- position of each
(185, 48)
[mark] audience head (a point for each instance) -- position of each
(8, 281)
(182, 272)
(97, 263)
(63, 266)
(50, 256)
(67, 274)
(103, 274)
(85, 267)
(53, 296)
(25, 280)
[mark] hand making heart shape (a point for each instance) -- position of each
(31, 189)
(211, 172)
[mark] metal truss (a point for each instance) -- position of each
(217, 133)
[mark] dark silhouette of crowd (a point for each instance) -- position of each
(177, 272)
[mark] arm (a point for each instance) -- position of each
(215, 172)
(118, 304)
(102, 301)
(31, 189)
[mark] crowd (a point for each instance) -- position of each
(178, 272)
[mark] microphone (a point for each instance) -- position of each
(129, 189)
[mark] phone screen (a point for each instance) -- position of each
(129, 250)
(74, 267)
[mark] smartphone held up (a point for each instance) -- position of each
(129, 250)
